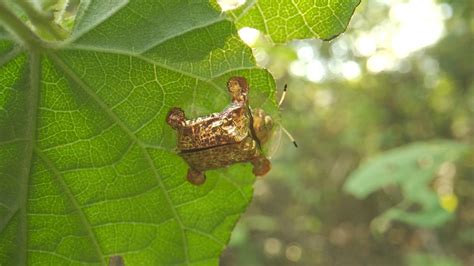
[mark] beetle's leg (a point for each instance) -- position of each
(261, 165)
(175, 117)
(196, 177)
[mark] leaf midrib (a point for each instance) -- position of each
(32, 101)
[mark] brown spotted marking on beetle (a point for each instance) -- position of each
(221, 139)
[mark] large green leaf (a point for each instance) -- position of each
(87, 164)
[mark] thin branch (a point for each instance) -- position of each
(41, 20)
(18, 28)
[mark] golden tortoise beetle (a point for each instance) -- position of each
(218, 140)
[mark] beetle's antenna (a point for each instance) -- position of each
(289, 136)
(282, 96)
(281, 126)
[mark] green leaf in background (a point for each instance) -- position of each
(415, 163)
(427, 218)
(420, 259)
(283, 20)
(87, 164)
(412, 167)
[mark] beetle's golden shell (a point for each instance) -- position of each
(228, 127)
(220, 156)
(220, 139)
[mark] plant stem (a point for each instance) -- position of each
(18, 28)
(40, 19)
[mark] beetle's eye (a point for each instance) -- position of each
(268, 122)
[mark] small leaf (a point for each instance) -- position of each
(420, 259)
(427, 218)
(411, 166)
(284, 20)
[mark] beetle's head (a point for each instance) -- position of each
(262, 124)
(238, 88)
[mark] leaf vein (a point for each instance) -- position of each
(85, 222)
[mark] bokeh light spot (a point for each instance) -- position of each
(350, 70)
(272, 246)
(249, 35)
(293, 252)
(227, 5)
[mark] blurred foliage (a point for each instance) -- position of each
(419, 259)
(413, 168)
(421, 214)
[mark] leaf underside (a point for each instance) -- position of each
(87, 164)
